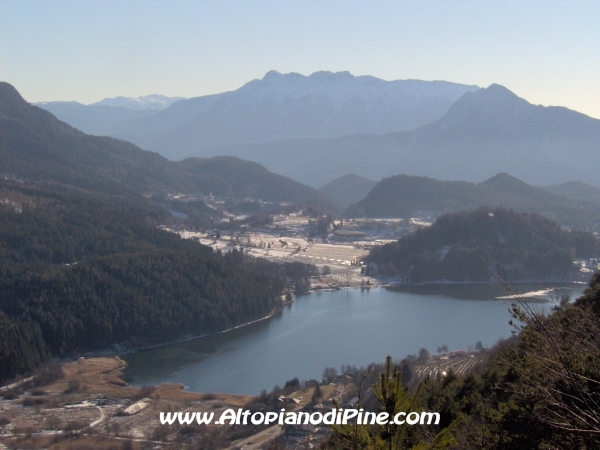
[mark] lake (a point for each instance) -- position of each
(331, 328)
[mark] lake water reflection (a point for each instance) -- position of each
(325, 329)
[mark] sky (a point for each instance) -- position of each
(547, 52)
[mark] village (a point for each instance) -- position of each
(337, 252)
(85, 403)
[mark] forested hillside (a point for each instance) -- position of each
(540, 390)
(227, 176)
(83, 272)
(83, 265)
(465, 246)
(407, 196)
(36, 146)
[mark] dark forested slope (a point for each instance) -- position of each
(35, 145)
(81, 271)
(464, 246)
(228, 176)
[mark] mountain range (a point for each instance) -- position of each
(154, 101)
(36, 146)
(409, 196)
(283, 106)
(484, 132)
(101, 117)
(320, 127)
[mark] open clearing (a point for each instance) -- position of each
(458, 362)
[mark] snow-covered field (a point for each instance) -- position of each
(284, 248)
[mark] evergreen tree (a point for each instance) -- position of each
(317, 395)
(393, 398)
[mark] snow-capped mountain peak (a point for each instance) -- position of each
(153, 101)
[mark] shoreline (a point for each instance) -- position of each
(130, 351)
(466, 283)
(272, 313)
(382, 284)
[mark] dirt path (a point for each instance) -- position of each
(259, 439)
(96, 422)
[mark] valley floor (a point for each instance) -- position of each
(90, 406)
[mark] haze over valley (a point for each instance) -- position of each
(333, 124)
(279, 106)
(483, 133)
(222, 224)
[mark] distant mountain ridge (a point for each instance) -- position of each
(409, 196)
(485, 132)
(35, 145)
(347, 189)
(97, 120)
(154, 101)
(286, 106)
(101, 117)
(576, 190)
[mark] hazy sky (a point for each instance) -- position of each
(547, 52)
